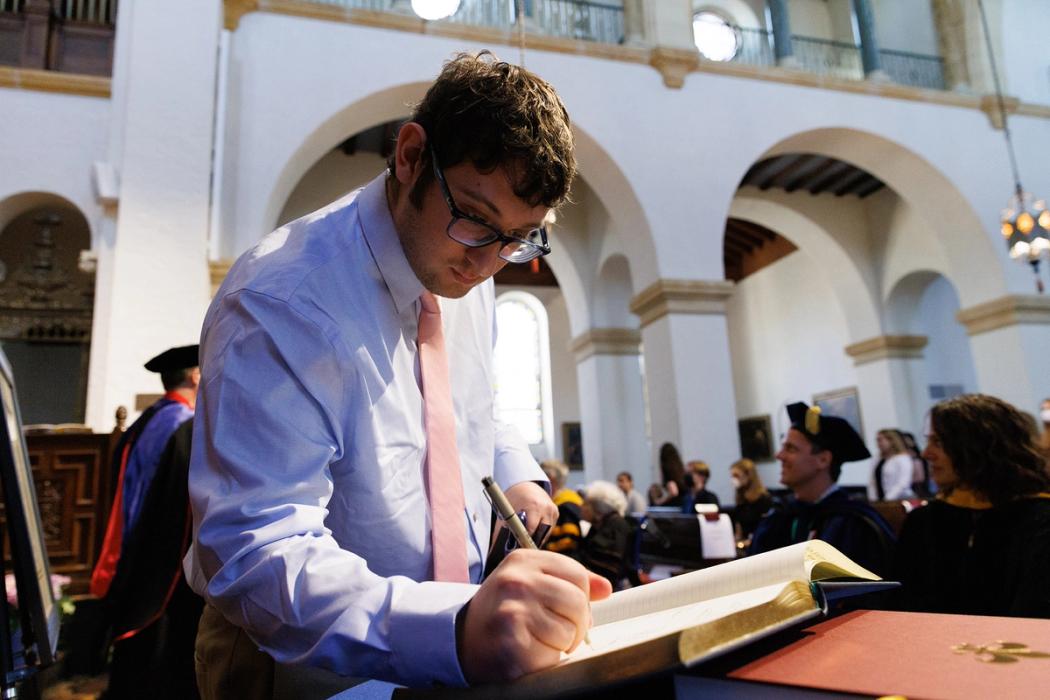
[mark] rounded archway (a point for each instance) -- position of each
(46, 304)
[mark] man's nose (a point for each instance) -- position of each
(485, 259)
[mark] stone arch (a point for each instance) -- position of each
(852, 289)
(925, 302)
(46, 304)
(964, 241)
(612, 294)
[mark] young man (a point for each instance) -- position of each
(811, 460)
(346, 417)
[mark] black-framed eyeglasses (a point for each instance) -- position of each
(474, 233)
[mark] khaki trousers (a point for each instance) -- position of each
(230, 666)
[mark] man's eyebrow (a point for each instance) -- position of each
(478, 198)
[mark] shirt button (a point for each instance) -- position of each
(475, 516)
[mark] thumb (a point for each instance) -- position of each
(600, 586)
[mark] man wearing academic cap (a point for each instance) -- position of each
(811, 460)
(138, 574)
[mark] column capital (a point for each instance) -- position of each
(674, 64)
(606, 341)
(1009, 310)
(233, 10)
(217, 271)
(667, 296)
(884, 347)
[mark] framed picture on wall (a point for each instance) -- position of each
(756, 438)
(843, 403)
(572, 446)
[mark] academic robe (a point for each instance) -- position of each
(135, 460)
(853, 527)
(969, 561)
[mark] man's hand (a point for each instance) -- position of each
(534, 606)
(532, 498)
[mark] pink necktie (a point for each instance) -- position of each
(448, 529)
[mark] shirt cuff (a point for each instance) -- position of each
(423, 632)
(513, 468)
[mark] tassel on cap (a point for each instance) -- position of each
(813, 420)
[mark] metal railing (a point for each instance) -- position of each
(755, 47)
(12, 5)
(94, 11)
(913, 69)
(575, 19)
(825, 57)
(840, 59)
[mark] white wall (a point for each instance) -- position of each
(787, 331)
(1026, 50)
(811, 18)
(905, 26)
(948, 358)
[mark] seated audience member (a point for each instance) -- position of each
(982, 548)
(892, 476)
(635, 501)
(696, 487)
(811, 459)
(565, 535)
(921, 485)
(606, 550)
(672, 471)
(752, 499)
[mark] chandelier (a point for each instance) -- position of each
(1025, 222)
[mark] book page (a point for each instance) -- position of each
(791, 563)
(636, 630)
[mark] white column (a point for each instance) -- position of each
(1010, 342)
(688, 373)
(153, 252)
(612, 404)
(891, 382)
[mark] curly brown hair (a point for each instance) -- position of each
(992, 447)
(497, 114)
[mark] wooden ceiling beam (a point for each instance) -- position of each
(833, 172)
(871, 188)
(847, 183)
(754, 229)
(818, 163)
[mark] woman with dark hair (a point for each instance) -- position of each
(983, 548)
(672, 473)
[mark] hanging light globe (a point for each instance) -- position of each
(1026, 226)
(435, 9)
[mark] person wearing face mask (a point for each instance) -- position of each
(752, 499)
(982, 548)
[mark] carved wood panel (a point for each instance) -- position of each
(71, 473)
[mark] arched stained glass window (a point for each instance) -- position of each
(523, 366)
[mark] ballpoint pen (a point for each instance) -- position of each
(508, 515)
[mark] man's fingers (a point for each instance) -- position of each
(600, 588)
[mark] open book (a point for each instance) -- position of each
(691, 618)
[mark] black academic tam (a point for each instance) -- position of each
(830, 432)
(174, 359)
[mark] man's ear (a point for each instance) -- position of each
(408, 153)
(824, 458)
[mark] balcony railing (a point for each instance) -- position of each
(840, 59)
(71, 36)
(914, 69)
(573, 19)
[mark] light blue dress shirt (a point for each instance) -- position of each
(312, 529)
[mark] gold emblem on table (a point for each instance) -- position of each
(1000, 652)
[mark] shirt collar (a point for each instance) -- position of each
(383, 241)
